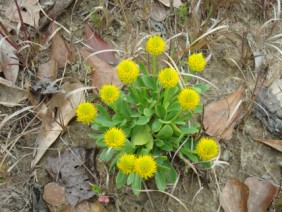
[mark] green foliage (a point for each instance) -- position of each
(182, 12)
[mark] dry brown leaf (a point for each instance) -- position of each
(234, 196)
(71, 168)
(10, 94)
(30, 10)
(60, 51)
(9, 63)
(86, 207)
(176, 3)
(261, 194)
(97, 43)
(158, 12)
(276, 144)
(103, 73)
(61, 110)
(48, 70)
(217, 114)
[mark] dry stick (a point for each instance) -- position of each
(149, 196)
(21, 19)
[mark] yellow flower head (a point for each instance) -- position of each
(207, 148)
(126, 163)
(168, 77)
(145, 166)
(189, 99)
(114, 137)
(196, 62)
(86, 112)
(127, 71)
(155, 45)
(109, 94)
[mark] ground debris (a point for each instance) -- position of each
(69, 169)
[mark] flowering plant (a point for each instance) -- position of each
(143, 129)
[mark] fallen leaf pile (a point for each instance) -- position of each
(69, 169)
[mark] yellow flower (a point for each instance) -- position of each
(114, 137)
(127, 71)
(155, 45)
(189, 99)
(86, 112)
(126, 163)
(109, 94)
(168, 77)
(196, 62)
(145, 166)
(207, 148)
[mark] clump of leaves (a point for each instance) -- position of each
(96, 20)
(141, 129)
(182, 12)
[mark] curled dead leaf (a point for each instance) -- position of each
(220, 117)
(276, 144)
(61, 110)
(48, 70)
(261, 194)
(9, 63)
(234, 196)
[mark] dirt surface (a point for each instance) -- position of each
(124, 27)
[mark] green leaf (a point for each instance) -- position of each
(188, 153)
(136, 185)
(141, 135)
(160, 180)
(184, 117)
(142, 68)
(96, 188)
(144, 151)
(100, 142)
(130, 178)
(176, 130)
(171, 175)
(103, 112)
(167, 147)
(164, 122)
(189, 130)
(205, 164)
(159, 143)
(148, 112)
(202, 88)
(199, 109)
(105, 122)
(128, 147)
(150, 145)
(107, 154)
(120, 179)
(149, 82)
(160, 111)
(165, 132)
(96, 136)
(142, 120)
(157, 125)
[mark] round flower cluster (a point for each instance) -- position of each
(155, 45)
(168, 77)
(114, 137)
(207, 148)
(127, 71)
(109, 94)
(196, 62)
(189, 99)
(144, 166)
(86, 112)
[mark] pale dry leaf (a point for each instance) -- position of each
(48, 70)
(69, 168)
(176, 3)
(10, 94)
(86, 207)
(261, 194)
(97, 43)
(234, 196)
(276, 144)
(103, 73)
(60, 111)
(9, 63)
(60, 51)
(29, 9)
(159, 12)
(217, 115)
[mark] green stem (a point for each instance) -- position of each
(154, 64)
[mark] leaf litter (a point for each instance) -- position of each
(69, 168)
(61, 109)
